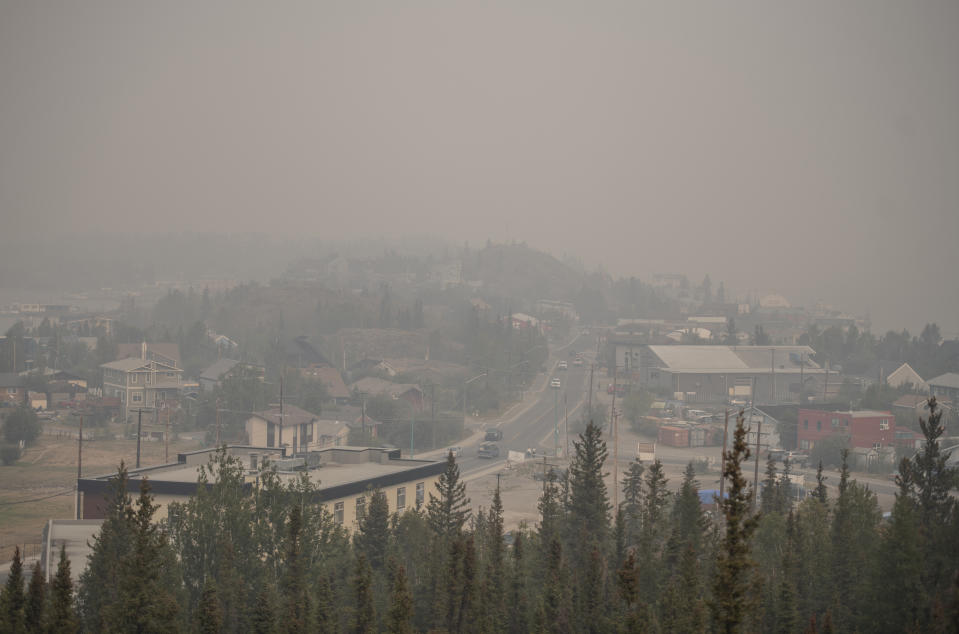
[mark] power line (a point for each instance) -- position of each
(40, 499)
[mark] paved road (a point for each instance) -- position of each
(540, 422)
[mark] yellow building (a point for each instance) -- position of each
(344, 477)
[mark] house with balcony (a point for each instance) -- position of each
(141, 383)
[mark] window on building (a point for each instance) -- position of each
(400, 498)
(884, 424)
(876, 446)
(360, 508)
(420, 493)
(804, 444)
(835, 423)
(338, 513)
(818, 425)
(12, 390)
(137, 397)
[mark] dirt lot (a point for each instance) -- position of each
(49, 468)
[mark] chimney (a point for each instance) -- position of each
(143, 350)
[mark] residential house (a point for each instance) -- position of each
(945, 386)
(13, 389)
(867, 429)
(214, 375)
(295, 427)
(373, 386)
(332, 380)
(166, 353)
(142, 383)
(344, 478)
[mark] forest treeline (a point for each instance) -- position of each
(272, 559)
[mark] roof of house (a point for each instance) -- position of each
(292, 415)
(911, 401)
(376, 386)
(131, 363)
(693, 359)
(218, 369)
(331, 378)
(949, 379)
(168, 350)
(11, 379)
(904, 372)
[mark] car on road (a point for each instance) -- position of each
(555, 384)
(493, 434)
(578, 361)
(488, 450)
(456, 451)
(563, 365)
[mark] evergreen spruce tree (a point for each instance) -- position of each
(263, 619)
(364, 619)
(146, 601)
(788, 609)
(99, 587)
(62, 615)
(550, 514)
(682, 608)
(634, 618)
(769, 502)
(897, 567)
(209, 614)
(734, 569)
(687, 515)
(467, 611)
(654, 530)
(518, 601)
(555, 614)
(325, 620)
(36, 600)
(12, 599)
(934, 480)
(373, 534)
(820, 492)
(632, 502)
(588, 520)
(449, 509)
(400, 616)
(297, 610)
(493, 586)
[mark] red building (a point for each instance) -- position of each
(869, 429)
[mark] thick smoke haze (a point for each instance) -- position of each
(806, 148)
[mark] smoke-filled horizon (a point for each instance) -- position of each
(809, 149)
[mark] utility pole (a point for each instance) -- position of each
(282, 450)
(139, 421)
(802, 383)
(433, 413)
(555, 424)
(722, 477)
(218, 423)
(612, 407)
(166, 456)
(759, 431)
(566, 406)
(412, 412)
(363, 423)
(772, 372)
(590, 396)
(825, 385)
(615, 461)
(79, 467)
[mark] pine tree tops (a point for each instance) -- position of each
(588, 518)
(450, 508)
(734, 568)
(62, 615)
(12, 598)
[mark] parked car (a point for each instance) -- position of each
(578, 361)
(563, 365)
(488, 450)
(493, 434)
(456, 451)
(555, 384)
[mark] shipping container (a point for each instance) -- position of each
(674, 436)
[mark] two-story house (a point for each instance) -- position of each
(141, 384)
(295, 427)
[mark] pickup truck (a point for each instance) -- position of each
(488, 450)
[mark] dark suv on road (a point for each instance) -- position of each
(488, 450)
(493, 435)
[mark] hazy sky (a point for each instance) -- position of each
(806, 147)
